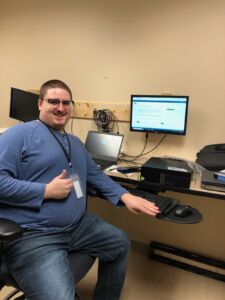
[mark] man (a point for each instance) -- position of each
(43, 178)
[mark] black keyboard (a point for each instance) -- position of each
(165, 204)
(103, 163)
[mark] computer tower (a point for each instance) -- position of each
(162, 171)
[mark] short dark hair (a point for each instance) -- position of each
(51, 84)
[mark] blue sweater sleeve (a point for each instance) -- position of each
(13, 190)
(98, 179)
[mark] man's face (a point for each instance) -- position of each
(55, 115)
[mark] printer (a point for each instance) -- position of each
(165, 171)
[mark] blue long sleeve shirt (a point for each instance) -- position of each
(31, 157)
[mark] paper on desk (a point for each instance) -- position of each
(112, 168)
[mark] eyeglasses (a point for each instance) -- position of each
(56, 102)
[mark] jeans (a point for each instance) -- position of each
(39, 260)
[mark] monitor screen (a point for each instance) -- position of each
(23, 105)
(160, 114)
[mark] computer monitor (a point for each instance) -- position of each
(159, 114)
(23, 105)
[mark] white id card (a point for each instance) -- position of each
(77, 185)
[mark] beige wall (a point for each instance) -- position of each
(107, 50)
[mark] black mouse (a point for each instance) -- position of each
(183, 211)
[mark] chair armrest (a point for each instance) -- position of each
(9, 230)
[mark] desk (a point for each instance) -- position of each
(195, 186)
(154, 247)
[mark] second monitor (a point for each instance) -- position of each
(159, 114)
(23, 105)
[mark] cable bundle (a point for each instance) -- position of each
(104, 119)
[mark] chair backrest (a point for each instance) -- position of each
(9, 231)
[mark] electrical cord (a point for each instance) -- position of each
(105, 120)
(162, 139)
(142, 153)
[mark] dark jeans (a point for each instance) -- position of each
(39, 261)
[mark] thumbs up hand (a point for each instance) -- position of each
(59, 187)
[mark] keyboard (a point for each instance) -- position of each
(103, 163)
(165, 204)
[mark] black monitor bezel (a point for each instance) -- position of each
(11, 111)
(163, 131)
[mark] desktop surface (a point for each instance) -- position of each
(194, 188)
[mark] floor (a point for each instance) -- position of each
(147, 279)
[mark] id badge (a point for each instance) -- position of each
(77, 185)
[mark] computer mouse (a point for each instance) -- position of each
(183, 211)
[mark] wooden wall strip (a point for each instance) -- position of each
(84, 110)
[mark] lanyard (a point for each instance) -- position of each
(74, 177)
(67, 154)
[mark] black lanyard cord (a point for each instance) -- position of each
(67, 154)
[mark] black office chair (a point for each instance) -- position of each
(9, 230)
